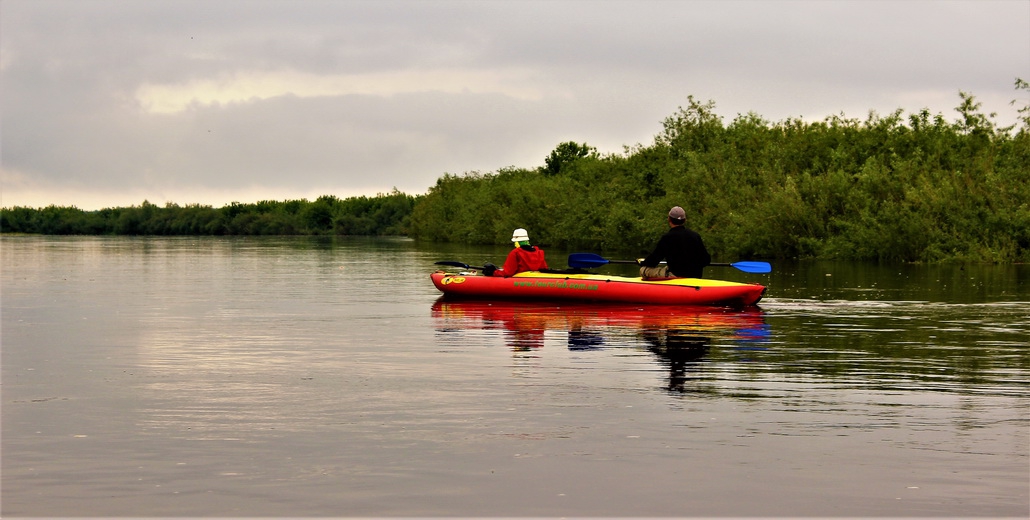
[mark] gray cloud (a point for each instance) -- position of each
(305, 98)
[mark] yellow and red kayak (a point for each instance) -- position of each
(599, 288)
(567, 315)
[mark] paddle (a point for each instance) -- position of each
(458, 264)
(591, 260)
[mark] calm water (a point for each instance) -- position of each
(302, 377)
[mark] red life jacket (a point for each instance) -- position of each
(524, 258)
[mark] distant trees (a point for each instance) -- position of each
(384, 214)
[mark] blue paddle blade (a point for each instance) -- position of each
(753, 267)
(586, 260)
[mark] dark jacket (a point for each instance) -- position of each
(683, 250)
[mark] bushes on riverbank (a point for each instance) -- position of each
(893, 188)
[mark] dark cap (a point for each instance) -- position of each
(677, 213)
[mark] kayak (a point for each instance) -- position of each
(533, 285)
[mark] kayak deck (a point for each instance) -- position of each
(599, 287)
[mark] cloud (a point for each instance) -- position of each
(174, 99)
(256, 86)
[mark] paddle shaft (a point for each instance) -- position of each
(459, 264)
(713, 264)
(591, 260)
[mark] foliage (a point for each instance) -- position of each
(565, 155)
(384, 214)
(913, 188)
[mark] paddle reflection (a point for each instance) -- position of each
(680, 337)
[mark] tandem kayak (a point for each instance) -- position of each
(535, 285)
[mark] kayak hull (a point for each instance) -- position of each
(599, 288)
(480, 313)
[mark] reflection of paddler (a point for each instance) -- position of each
(580, 339)
(525, 331)
(677, 344)
(683, 349)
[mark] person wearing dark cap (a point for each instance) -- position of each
(681, 248)
(524, 257)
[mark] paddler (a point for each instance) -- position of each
(681, 248)
(524, 257)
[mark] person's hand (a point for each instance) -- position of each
(489, 269)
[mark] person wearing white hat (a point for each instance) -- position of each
(681, 248)
(525, 257)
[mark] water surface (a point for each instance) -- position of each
(325, 377)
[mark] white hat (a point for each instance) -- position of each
(520, 235)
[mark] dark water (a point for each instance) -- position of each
(302, 377)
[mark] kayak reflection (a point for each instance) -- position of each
(680, 336)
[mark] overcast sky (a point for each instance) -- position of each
(110, 102)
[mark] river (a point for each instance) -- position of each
(217, 377)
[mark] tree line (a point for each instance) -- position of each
(897, 187)
(913, 188)
(384, 214)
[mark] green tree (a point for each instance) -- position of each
(566, 154)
